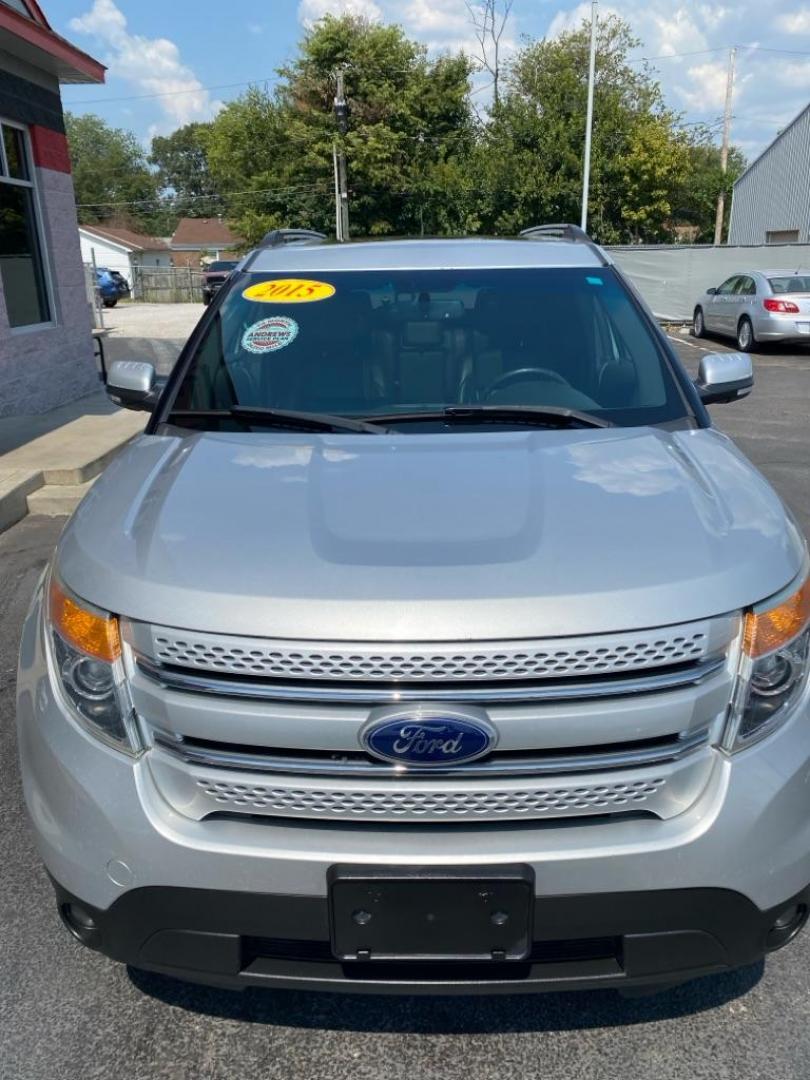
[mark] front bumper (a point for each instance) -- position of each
(619, 900)
(616, 940)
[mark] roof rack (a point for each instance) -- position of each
(280, 237)
(572, 233)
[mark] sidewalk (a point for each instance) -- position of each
(48, 462)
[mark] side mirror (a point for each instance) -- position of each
(133, 384)
(724, 377)
(711, 292)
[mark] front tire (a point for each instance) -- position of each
(110, 303)
(698, 324)
(745, 335)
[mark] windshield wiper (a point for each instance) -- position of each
(535, 415)
(282, 418)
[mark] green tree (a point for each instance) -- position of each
(531, 155)
(695, 200)
(410, 134)
(181, 160)
(111, 175)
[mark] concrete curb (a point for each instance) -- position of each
(15, 487)
(51, 474)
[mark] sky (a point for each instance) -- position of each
(197, 54)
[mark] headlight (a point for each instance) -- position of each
(773, 669)
(87, 662)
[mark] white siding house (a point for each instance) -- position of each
(122, 249)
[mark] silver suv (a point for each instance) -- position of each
(430, 639)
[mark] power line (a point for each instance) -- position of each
(196, 198)
(719, 48)
(167, 93)
(678, 56)
(786, 52)
(231, 86)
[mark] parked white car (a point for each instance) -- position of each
(756, 307)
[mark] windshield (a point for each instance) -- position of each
(366, 343)
(795, 283)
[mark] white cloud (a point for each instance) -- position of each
(565, 21)
(153, 65)
(769, 86)
(794, 75)
(706, 89)
(436, 20)
(794, 22)
(309, 11)
(713, 16)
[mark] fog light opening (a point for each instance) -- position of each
(786, 926)
(79, 922)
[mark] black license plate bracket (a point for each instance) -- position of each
(428, 914)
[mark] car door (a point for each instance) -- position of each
(745, 297)
(737, 303)
(719, 311)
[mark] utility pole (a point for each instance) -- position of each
(338, 214)
(586, 177)
(721, 198)
(341, 178)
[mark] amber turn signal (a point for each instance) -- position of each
(88, 631)
(770, 630)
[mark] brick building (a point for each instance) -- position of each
(46, 352)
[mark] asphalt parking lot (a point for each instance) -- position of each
(68, 1013)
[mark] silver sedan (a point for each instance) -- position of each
(757, 306)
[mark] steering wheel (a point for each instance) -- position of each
(521, 375)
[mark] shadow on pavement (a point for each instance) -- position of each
(432, 1015)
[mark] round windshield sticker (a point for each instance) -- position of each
(270, 335)
(289, 291)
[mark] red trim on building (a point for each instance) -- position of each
(50, 149)
(43, 38)
(37, 12)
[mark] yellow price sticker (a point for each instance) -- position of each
(289, 291)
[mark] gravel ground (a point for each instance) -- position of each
(69, 1013)
(153, 332)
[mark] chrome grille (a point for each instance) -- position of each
(322, 682)
(359, 764)
(605, 654)
(662, 790)
(413, 805)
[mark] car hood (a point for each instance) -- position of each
(430, 537)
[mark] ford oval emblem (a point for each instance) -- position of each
(418, 738)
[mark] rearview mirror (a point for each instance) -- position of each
(133, 384)
(724, 377)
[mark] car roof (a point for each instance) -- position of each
(426, 255)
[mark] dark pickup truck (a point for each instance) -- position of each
(215, 276)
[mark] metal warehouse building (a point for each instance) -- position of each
(772, 197)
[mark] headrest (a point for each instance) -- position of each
(421, 334)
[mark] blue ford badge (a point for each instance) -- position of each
(428, 739)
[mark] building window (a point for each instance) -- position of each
(21, 264)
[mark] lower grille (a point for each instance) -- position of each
(413, 806)
(662, 791)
